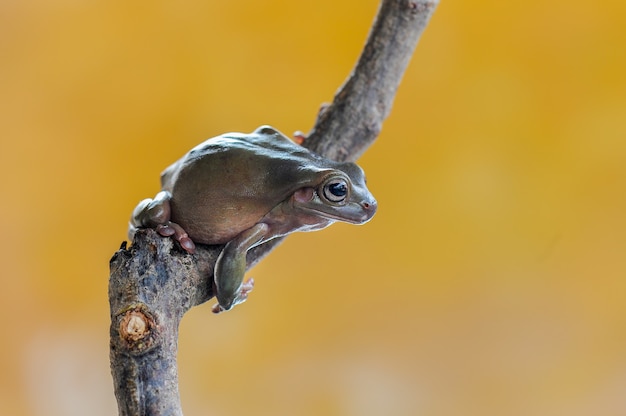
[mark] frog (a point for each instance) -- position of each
(240, 190)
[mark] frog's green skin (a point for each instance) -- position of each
(245, 189)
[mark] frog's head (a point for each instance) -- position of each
(338, 195)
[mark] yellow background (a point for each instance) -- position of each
(492, 281)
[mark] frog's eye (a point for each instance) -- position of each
(336, 190)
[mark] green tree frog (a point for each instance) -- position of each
(242, 190)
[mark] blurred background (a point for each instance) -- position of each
(491, 281)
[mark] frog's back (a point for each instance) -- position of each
(228, 183)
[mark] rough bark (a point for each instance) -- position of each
(153, 283)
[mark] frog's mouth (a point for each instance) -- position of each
(352, 213)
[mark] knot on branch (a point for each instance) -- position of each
(137, 329)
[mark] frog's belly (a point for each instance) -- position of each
(217, 226)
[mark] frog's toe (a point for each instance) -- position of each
(171, 229)
(166, 230)
(187, 244)
(246, 288)
(217, 309)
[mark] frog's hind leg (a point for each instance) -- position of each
(230, 268)
(155, 213)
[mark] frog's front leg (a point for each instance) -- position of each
(230, 268)
(155, 213)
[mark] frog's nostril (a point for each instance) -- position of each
(370, 206)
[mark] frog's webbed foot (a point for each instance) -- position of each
(246, 288)
(155, 213)
(171, 229)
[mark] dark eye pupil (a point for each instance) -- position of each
(338, 189)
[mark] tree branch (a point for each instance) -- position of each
(154, 283)
(348, 126)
